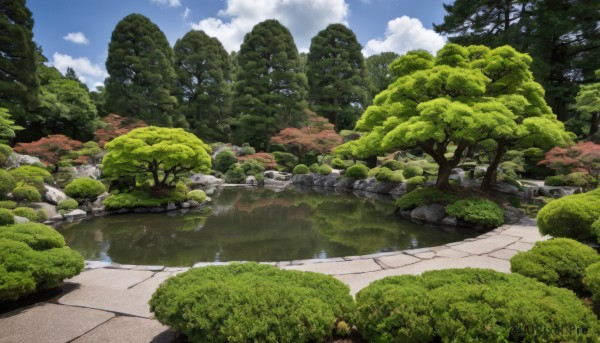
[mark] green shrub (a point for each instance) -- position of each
(357, 171)
(260, 177)
(373, 172)
(555, 180)
(6, 217)
(42, 216)
(224, 160)
(252, 167)
(591, 280)
(141, 198)
(33, 256)
(571, 216)
(301, 169)
(338, 163)
(26, 212)
(7, 183)
(415, 182)
(424, 196)
(246, 149)
(26, 193)
(286, 160)
(410, 171)
(324, 170)
(558, 262)
(387, 175)
(197, 195)
(27, 173)
(235, 174)
(314, 168)
(477, 212)
(394, 165)
(68, 205)
(251, 302)
(580, 179)
(470, 305)
(8, 204)
(85, 188)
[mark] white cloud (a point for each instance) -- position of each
(170, 3)
(404, 34)
(88, 72)
(76, 37)
(186, 13)
(304, 18)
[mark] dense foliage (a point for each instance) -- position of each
(301, 169)
(592, 280)
(26, 193)
(141, 198)
(357, 171)
(196, 195)
(477, 211)
(473, 304)
(6, 217)
(49, 149)
(84, 188)
(424, 196)
(251, 302)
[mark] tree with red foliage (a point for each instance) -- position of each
(584, 156)
(49, 149)
(318, 136)
(267, 160)
(114, 126)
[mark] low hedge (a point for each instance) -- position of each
(141, 198)
(477, 212)
(424, 196)
(6, 217)
(27, 173)
(591, 280)
(410, 171)
(251, 302)
(558, 262)
(389, 176)
(8, 204)
(68, 204)
(324, 169)
(84, 188)
(197, 195)
(580, 179)
(571, 216)
(301, 169)
(357, 171)
(555, 180)
(26, 193)
(471, 305)
(26, 212)
(34, 256)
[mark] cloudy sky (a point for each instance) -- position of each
(76, 33)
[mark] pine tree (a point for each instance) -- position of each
(270, 88)
(141, 75)
(19, 85)
(202, 68)
(336, 73)
(378, 71)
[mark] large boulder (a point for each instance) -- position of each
(507, 188)
(49, 210)
(251, 180)
(20, 220)
(206, 180)
(512, 215)
(276, 184)
(75, 214)
(457, 174)
(345, 183)
(383, 187)
(325, 180)
(365, 185)
(54, 195)
(277, 175)
(86, 171)
(16, 160)
(558, 192)
(433, 213)
(399, 190)
(302, 179)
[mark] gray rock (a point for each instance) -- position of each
(185, 204)
(55, 218)
(251, 180)
(87, 170)
(171, 206)
(276, 184)
(399, 190)
(450, 221)
(99, 200)
(345, 183)
(512, 215)
(383, 187)
(471, 183)
(433, 213)
(206, 180)
(98, 210)
(16, 160)
(49, 210)
(457, 174)
(302, 179)
(194, 203)
(364, 185)
(508, 188)
(404, 214)
(75, 214)
(325, 180)
(54, 195)
(558, 192)
(20, 220)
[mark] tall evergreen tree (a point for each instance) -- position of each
(19, 85)
(337, 79)
(202, 67)
(561, 36)
(141, 75)
(378, 71)
(270, 88)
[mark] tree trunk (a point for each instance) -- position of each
(443, 177)
(491, 173)
(372, 161)
(594, 124)
(155, 177)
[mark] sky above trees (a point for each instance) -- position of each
(76, 33)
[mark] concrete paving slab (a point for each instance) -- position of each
(523, 231)
(486, 245)
(129, 330)
(449, 252)
(339, 268)
(505, 254)
(397, 261)
(520, 246)
(317, 260)
(116, 279)
(426, 255)
(48, 323)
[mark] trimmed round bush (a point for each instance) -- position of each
(555, 180)
(389, 176)
(68, 204)
(357, 171)
(6, 217)
(314, 168)
(558, 262)
(26, 212)
(197, 195)
(580, 179)
(477, 212)
(8, 204)
(7, 183)
(26, 193)
(338, 163)
(591, 280)
(301, 169)
(235, 174)
(286, 160)
(410, 171)
(251, 302)
(415, 182)
(394, 165)
(324, 170)
(246, 149)
(28, 173)
(373, 172)
(571, 216)
(85, 188)
(470, 305)
(424, 196)
(224, 160)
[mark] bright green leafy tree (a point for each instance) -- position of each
(163, 153)
(587, 103)
(337, 78)
(141, 75)
(7, 127)
(460, 97)
(270, 88)
(202, 68)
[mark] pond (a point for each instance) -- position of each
(255, 224)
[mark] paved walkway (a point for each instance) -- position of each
(110, 303)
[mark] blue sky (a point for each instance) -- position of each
(76, 33)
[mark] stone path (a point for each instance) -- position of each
(109, 303)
